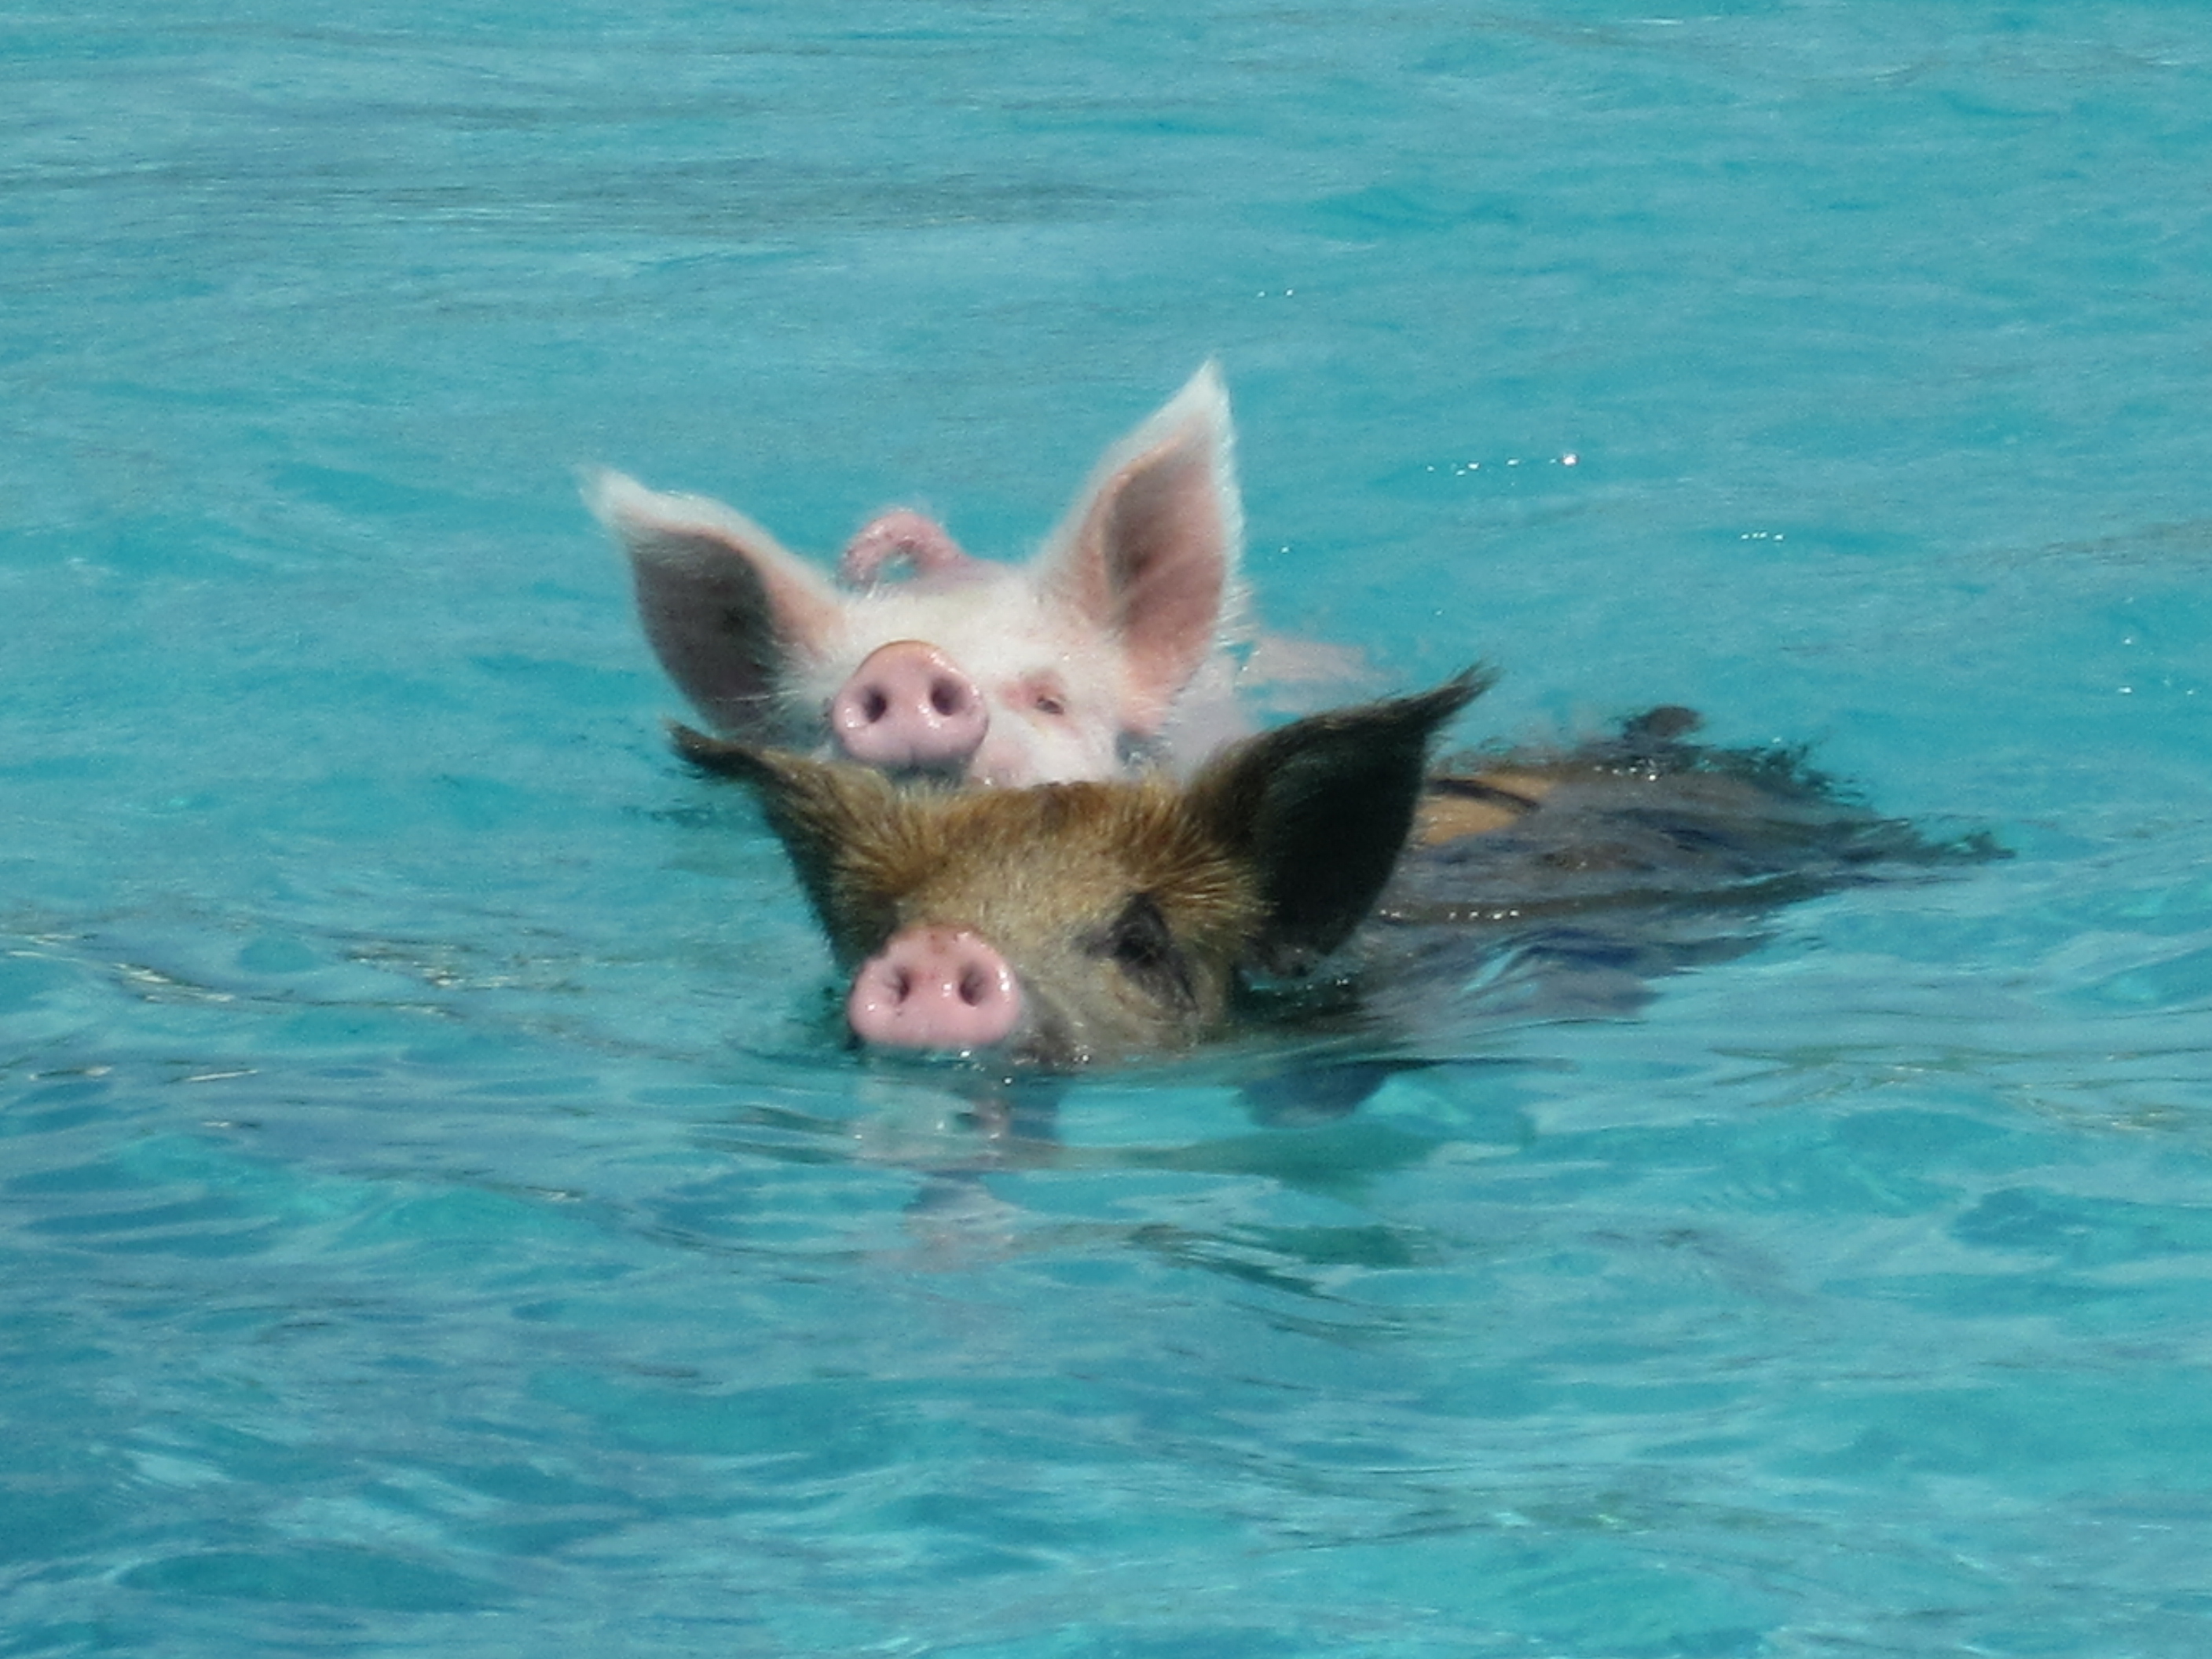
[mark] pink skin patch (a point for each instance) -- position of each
(935, 987)
(924, 544)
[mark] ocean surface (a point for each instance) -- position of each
(436, 1214)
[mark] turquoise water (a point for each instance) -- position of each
(432, 1217)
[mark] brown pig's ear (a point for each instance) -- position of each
(1319, 809)
(830, 818)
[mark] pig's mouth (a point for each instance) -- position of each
(1043, 1038)
(1051, 1042)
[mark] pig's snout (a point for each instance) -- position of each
(935, 987)
(909, 707)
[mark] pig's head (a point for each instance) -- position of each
(921, 659)
(1073, 921)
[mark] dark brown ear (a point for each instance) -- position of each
(828, 819)
(1320, 809)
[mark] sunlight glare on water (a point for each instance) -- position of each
(437, 1212)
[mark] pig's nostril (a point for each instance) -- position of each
(906, 707)
(935, 987)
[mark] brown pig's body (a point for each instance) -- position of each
(1072, 922)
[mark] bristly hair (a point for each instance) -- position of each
(865, 849)
(1153, 845)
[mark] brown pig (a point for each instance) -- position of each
(1072, 922)
(920, 659)
(1078, 921)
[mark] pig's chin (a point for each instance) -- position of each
(1042, 1042)
(1049, 1038)
(937, 772)
(1002, 768)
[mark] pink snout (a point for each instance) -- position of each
(909, 707)
(934, 987)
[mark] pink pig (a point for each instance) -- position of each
(1106, 646)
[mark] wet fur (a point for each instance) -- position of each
(1129, 910)
(1604, 862)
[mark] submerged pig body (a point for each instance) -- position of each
(1085, 922)
(918, 658)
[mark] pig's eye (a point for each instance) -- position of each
(1141, 944)
(1042, 694)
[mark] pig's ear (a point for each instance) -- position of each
(725, 606)
(834, 821)
(1148, 553)
(1319, 810)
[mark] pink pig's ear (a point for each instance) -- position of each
(1148, 553)
(1320, 810)
(727, 607)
